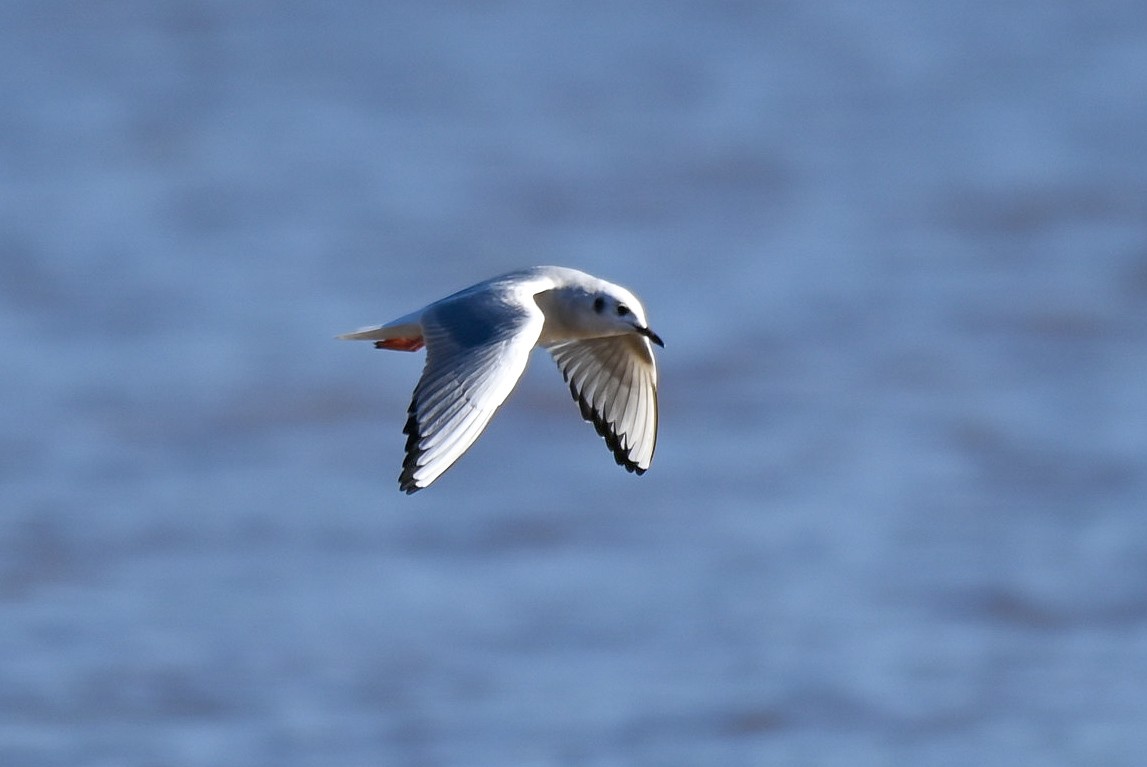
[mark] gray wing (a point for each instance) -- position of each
(614, 382)
(476, 350)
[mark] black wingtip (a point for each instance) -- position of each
(606, 431)
(406, 481)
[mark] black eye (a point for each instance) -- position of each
(598, 304)
(622, 310)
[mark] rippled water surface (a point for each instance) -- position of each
(898, 253)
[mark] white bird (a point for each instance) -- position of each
(478, 341)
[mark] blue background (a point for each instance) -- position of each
(898, 253)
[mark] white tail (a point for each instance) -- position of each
(372, 333)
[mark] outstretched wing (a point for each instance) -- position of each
(614, 381)
(476, 350)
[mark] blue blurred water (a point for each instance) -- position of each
(898, 253)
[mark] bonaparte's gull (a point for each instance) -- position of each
(479, 339)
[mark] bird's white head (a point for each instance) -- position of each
(613, 310)
(593, 309)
